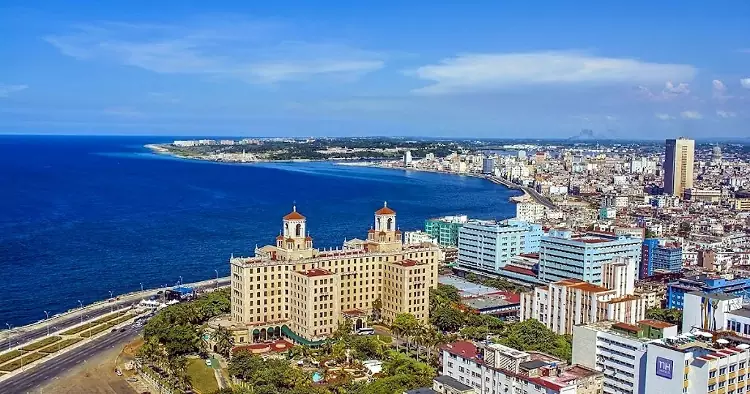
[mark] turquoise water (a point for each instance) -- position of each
(82, 216)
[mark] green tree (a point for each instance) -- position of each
(533, 335)
(447, 318)
(377, 309)
(224, 341)
(404, 326)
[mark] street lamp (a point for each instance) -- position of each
(141, 286)
(217, 278)
(180, 280)
(81, 304)
(9, 328)
(112, 302)
(47, 313)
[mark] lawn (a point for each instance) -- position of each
(94, 323)
(25, 360)
(385, 339)
(201, 376)
(60, 345)
(40, 344)
(10, 355)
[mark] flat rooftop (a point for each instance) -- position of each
(466, 288)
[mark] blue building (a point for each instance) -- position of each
(657, 255)
(487, 246)
(563, 254)
(705, 283)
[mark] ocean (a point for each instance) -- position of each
(83, 216)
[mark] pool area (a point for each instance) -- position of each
(317, 377)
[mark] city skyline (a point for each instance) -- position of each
(539, 70)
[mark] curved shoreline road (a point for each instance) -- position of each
(23, 335)
(41, 374)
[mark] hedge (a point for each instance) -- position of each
(25, 360)
(10, 355)
(60, 345)
(40, 344)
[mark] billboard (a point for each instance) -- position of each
(664, 367)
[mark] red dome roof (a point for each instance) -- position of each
(385, 210)
(294, 215)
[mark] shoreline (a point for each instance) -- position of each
(526, 196)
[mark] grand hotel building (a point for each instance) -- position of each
(293, 290)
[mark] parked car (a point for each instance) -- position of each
(208, 362)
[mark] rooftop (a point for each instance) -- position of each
(315, 272)
(453, 383)
(582, 285)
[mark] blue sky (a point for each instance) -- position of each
(429, 68)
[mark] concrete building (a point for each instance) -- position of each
(661, 256)
(563, 254)
(530, 212)
(705, 283)
(488, 166)
(487, 246)
(293, 290)
(619, 351)
(407, 159)
(500, 369)
(696, 364)
(445, 229)
(570, 302)
(418, 237)
(711, 312)
(678, 166)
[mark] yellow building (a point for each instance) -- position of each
(293, 290)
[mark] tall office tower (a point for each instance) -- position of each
(678, 166)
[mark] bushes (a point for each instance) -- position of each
(40, 344)
(25, 360)
(60, 345)
(5, 357)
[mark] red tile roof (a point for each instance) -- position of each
(519, 270)
(385, 210)
(316, 272)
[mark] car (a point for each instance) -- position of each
(114, 330)
(118, 372)
(123, 329)
(208, 362)
(132, 380)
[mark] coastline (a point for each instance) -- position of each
(528, 194)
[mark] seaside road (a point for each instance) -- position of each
(89, 312)
(41, 374)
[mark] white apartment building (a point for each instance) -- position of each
(569, 302)
(696, 364)
(487, 246)
(530, 212)
(619, 351)
(498, 369)
(418, 237)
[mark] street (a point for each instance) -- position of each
(61, 323)
(41, 374)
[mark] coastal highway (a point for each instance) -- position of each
(41, 374)
(27, 334)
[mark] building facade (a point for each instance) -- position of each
(563, 254)
(500, 369)
(619, 351)
(706, 283)
(292, 289)
(445, 229)
(678, 166)
(487, 246)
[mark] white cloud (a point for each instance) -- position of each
(745, 82)
(725, 114)
(719, 90)
(664, 116)
(691, 115)
(481, 72)
(244, 51)
(669, 92)
(7, 90)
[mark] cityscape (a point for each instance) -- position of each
(413, 197)
(625, 269)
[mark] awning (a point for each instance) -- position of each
(256, 331)
(298, 339)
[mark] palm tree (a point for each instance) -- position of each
(223, 340)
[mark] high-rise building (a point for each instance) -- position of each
(488, 166)
(293, 290)
(659, 256)
(494, 368)
(563, 254)
(487, 246)
(407, 158)
(678, 166)
(619, 351)
(445, 229)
